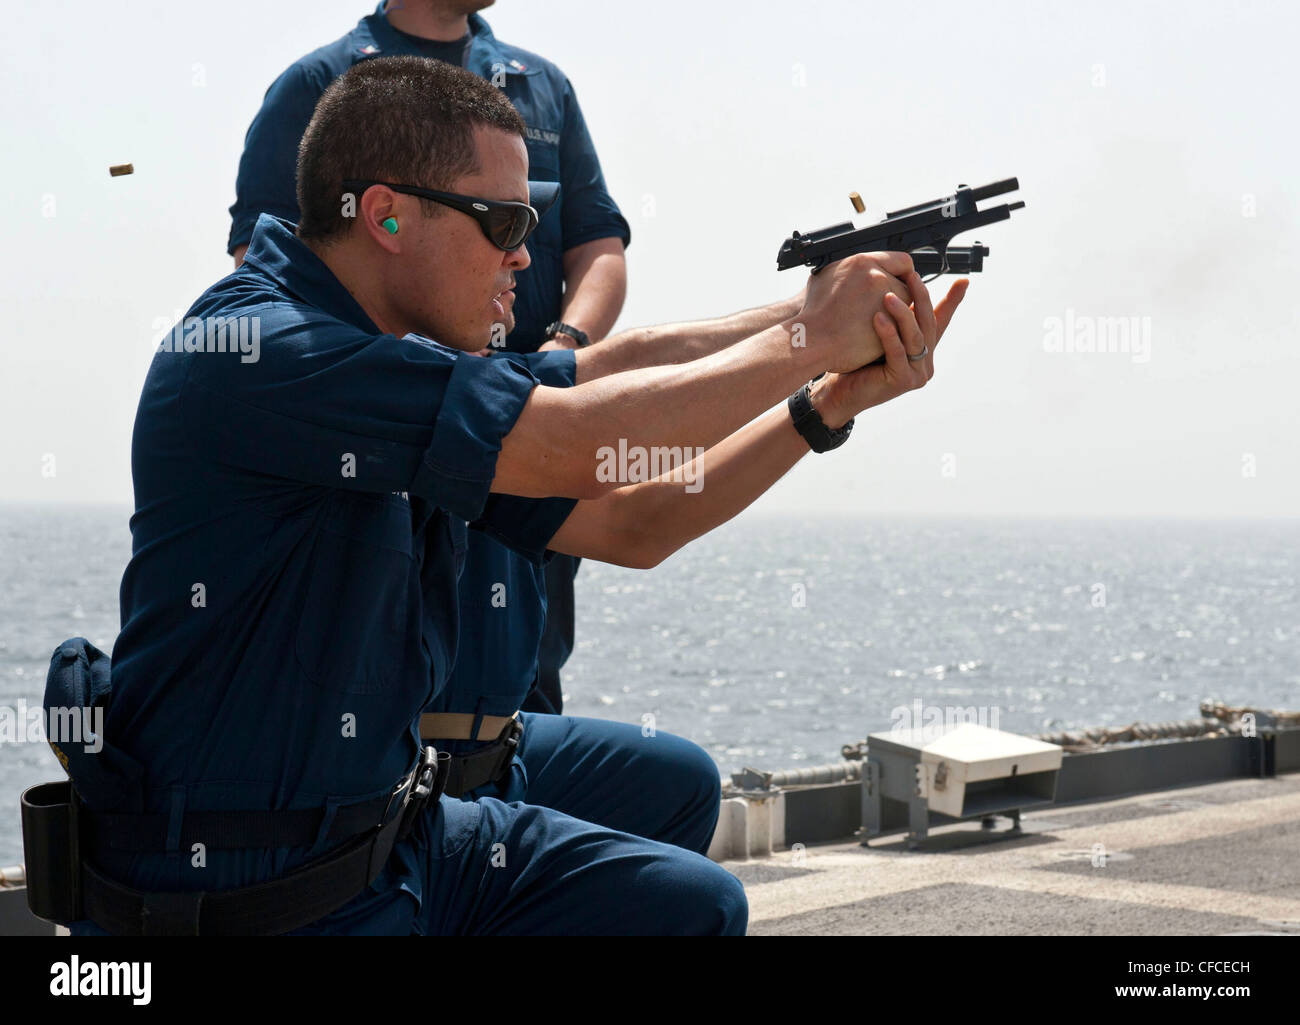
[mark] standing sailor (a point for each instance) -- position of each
(570, 296)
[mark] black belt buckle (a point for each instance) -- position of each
(427, 782)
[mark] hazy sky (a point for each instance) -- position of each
(1155, 145)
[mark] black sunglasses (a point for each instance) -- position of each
(505, 224)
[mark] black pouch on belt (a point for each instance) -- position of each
(77, 692)
(50, 844)
(487, 765)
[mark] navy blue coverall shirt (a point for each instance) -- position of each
(559, 149)
(291, 601)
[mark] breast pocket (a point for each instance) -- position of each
(544, 166)
(360, 630)
(543, 154)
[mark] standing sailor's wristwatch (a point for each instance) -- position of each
(561, 328)
(809, 423)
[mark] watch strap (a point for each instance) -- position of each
(576, 333)
(810, 425)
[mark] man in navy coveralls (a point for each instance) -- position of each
(318, 498)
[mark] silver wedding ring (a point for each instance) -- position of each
(921, 355)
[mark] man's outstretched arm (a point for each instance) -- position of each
(667, 344)
(554, 447)
(642, 524)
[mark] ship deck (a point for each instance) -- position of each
(1217, 859)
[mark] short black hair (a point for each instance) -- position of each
(398, 119)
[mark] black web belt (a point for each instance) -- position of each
(281, 905)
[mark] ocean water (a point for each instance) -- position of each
(774, 641)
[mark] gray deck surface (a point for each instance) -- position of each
(1218, 859)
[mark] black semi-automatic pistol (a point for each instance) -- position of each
(923, 230)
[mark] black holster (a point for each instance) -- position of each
(52, 845)
(486, 765)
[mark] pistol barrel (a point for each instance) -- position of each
(961, 260)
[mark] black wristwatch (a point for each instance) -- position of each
(809, 423)
(577, 334)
